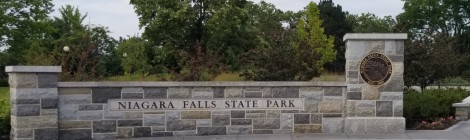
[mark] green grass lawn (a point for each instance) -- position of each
(4, 92)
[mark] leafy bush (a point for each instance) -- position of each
(4, 118)
(430, 105)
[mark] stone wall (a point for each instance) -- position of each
(43, 108)
(374, 109)
(84, 113)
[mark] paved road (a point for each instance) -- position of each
(459, 131)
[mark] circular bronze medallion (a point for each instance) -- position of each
(376, 69)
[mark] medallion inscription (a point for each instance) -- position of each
(376, 69)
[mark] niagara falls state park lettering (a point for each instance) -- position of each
(206, 104)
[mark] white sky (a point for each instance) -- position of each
(120, 18)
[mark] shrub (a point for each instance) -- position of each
(430, 105)
(4, 118)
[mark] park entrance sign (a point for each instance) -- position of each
(370, 101)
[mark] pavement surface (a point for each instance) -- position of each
(460, 131)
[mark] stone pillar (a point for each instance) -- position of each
(374, 78)
(33, 101)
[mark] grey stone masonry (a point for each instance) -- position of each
(34, 102)
(372, 109)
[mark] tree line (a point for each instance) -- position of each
(193, 40)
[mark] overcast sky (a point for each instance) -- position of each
(119, 16)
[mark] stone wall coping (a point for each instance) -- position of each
(33, 69)
(465, 103)
(202, 84)
(375, 36)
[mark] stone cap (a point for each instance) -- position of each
(375, 36)
(465, 103)
(33, 69)
(201, 84)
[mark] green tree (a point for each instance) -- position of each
(313, 48)
(336, 25)
(135, 59)
(370, 23)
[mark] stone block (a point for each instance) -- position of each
(266, 123)
(352, 74)
(398, 69)
(285, 92)
(316, 118)
(185, 133)
(202, 92)
(352, 64)
(46, 134)
(25, 101)
(195, 114)
(398, 108)
(104, 126)
(262, 131)
(133, 115)
(211, 131)
(283, 131)
(330, 106)
(68, 112)
(71, 91)
(267, 92)
(390, 96)
(287, 121)
(350, 108)
(90, 115)
(21, 133)
(26, 110)
(112, 114)
(102, 95)
(333, 125)
(219, 92)
(220, 120)
(154, 120)
(173, 115)
(390, 47)
(237, 113)
(124, 132)
(354, 95)
(333, 91)
(374, 125)
(332, 115)
(75, 134)
(22, 80)
(34, 122)
(395, 84)
(310, 106)
(142, 132)
(225, 112)
(180, 125)
(75, 99)
(301, 118)
(273, 113)
(289, 111)
(33, 93)
(241, 122)
(255, 115)
(365, 108)
(47, 80)
(157, 93)
(354, 88)
(255, 111)
(370, 92)
(375, 47)
(132, 90)
(74, 124)
(89, 107)
(253, 94)
(311, 93)
(203, 123)
(158, 128)
(239, 130)
(124, 123)
(162, 134)
(234, 92)
(104, 136)
(396, 58)
(132, 95)
(179, 93)
(384, 109)
(307, 128)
